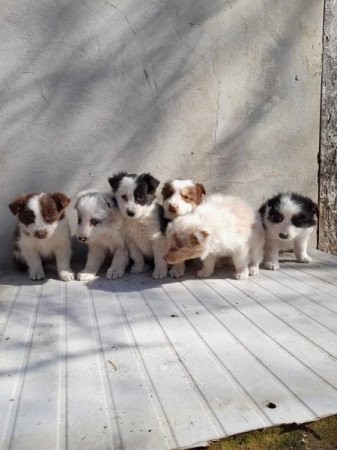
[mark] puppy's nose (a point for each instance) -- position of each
(130, 213)
(172, 208)
(283, 236)
(81, 238)
(40, 234)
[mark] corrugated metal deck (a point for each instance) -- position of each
(144, 364)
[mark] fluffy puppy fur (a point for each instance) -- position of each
(180, 197)
(145, 224)
(288, 219)
(100, 225)
(220, 226)
(42, 232)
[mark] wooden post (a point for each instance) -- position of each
(327, 234)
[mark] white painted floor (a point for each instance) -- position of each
(143, 364)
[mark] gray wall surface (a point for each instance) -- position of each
(224, 92)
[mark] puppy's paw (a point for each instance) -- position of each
(114, 273)
(177, 271)
(253, 271)
(271, 265)
(243, 275)
(304, 259)
(36, 274)
(204, 273)
(159, 272)
(85, 276)
(66, 275)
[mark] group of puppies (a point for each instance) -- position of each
(132, 223)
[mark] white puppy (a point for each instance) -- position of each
(145, 223)
(220, 226)
(289, 219)
(180, 197)
(100, 225)
(42, 233)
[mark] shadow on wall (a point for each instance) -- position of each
(86, 87)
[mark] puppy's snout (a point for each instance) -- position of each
(283, 235)
(130, 213)
(81, 238)
(41, 234)
(172, 208)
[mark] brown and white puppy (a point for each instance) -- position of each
(42, 232)
(180, 197)
(221, 226)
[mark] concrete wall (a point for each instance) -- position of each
(224, 92)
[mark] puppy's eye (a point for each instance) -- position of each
(141, 197)
(79, 221)
(125, 198)
(276, 218)
(94, 222)
(185, 197)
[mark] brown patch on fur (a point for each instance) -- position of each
(20, 202)
(52, 206)
(182, 250)
(167, 190)
(193, 194)
(194, 240)
(61, 200)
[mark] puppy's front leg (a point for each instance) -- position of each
(159, 250)
(240, 260)
(95, 259)
(271, 252)
(177, 270)
(208, 266)
(300, 248)
(119, 262)
(63, 255)
(34, 263)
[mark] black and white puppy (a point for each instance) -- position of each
(100, 225)
(288, 220)
(145, 224)
(42, 232)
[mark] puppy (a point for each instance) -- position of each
(145, 223)
(180, 197)
(288, 219)
(220, 226)
(41, 233)
(100, 225)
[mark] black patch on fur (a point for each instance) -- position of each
(163, 221)
(306, 218)
(145, 190)
(116, 179)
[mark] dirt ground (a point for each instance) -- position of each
(320, 435)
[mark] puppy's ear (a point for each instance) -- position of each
(197, 238)
(200, 190)
(115, 180)
(17, 204)
(61, 200)
(152, 182)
